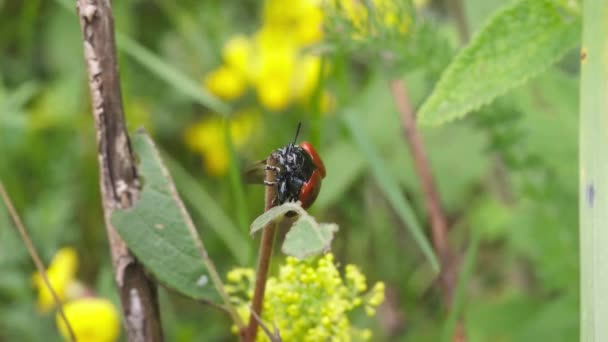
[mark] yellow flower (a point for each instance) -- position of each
(61, 275)
(273, 68)
(301, 18)
(208, 138)
(307, 77)
(309, 300)
(237, 53)
(92, 320)
(226, 82)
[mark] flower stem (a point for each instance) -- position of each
(266, 245)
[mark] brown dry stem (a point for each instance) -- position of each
(118, 176)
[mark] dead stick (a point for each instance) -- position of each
(266, 245)
(118, 176)
(439, 229)
(35, 257)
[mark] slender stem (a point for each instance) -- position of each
(439, 227)
(456, 9)
(593, 186)
(266, 246)
(234, 176)
(35, 257)
(118, 176)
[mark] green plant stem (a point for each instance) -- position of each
(35, 257)
(236, 182)
(316, 105)
(468, 266)
(593, 203)
(266, 246)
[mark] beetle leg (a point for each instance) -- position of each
(272, 168)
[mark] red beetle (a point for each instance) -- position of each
(298, 174)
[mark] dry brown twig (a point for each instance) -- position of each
(266, 246)
(118, 176)
(35, 257)
(449, 261)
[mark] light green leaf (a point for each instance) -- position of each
(390, 187)
(517, 43)
(275, 213)
(307, 238)
(156, 231)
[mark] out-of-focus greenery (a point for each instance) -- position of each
(507, 175)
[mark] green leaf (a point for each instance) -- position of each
(275, 213)
(517, 43)
(156, 231)
(205, 206)
(307, 238)
(390, 187)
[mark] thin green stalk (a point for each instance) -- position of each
(463, 279)
(35, 258)
(317, 104)
(593, 202)
(236, 181)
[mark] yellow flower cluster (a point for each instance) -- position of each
(208, 137)
(92, 319)
(271, 60)
(309, 300)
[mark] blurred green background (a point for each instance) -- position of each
(507, 175)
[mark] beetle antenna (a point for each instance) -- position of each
(296, 137)
(297, 133)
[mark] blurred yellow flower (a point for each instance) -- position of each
(237, 53)
(92, 320)
(61, 274)
(226, 82)
(301, 19)
(307, 76)
(207, 137)
(271, 60)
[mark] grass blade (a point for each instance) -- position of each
(169, 74)
(594, 172)
(389, 186)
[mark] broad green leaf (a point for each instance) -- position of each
(516, 44)
(156, 231)
(390, 187)
(205, 206)
(307, 238)
(275, 213)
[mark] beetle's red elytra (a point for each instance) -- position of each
(298, 174)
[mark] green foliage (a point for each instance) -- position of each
(391, 190)
(156, 231)
(516, 44)
(305, 238)
(507, 176)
